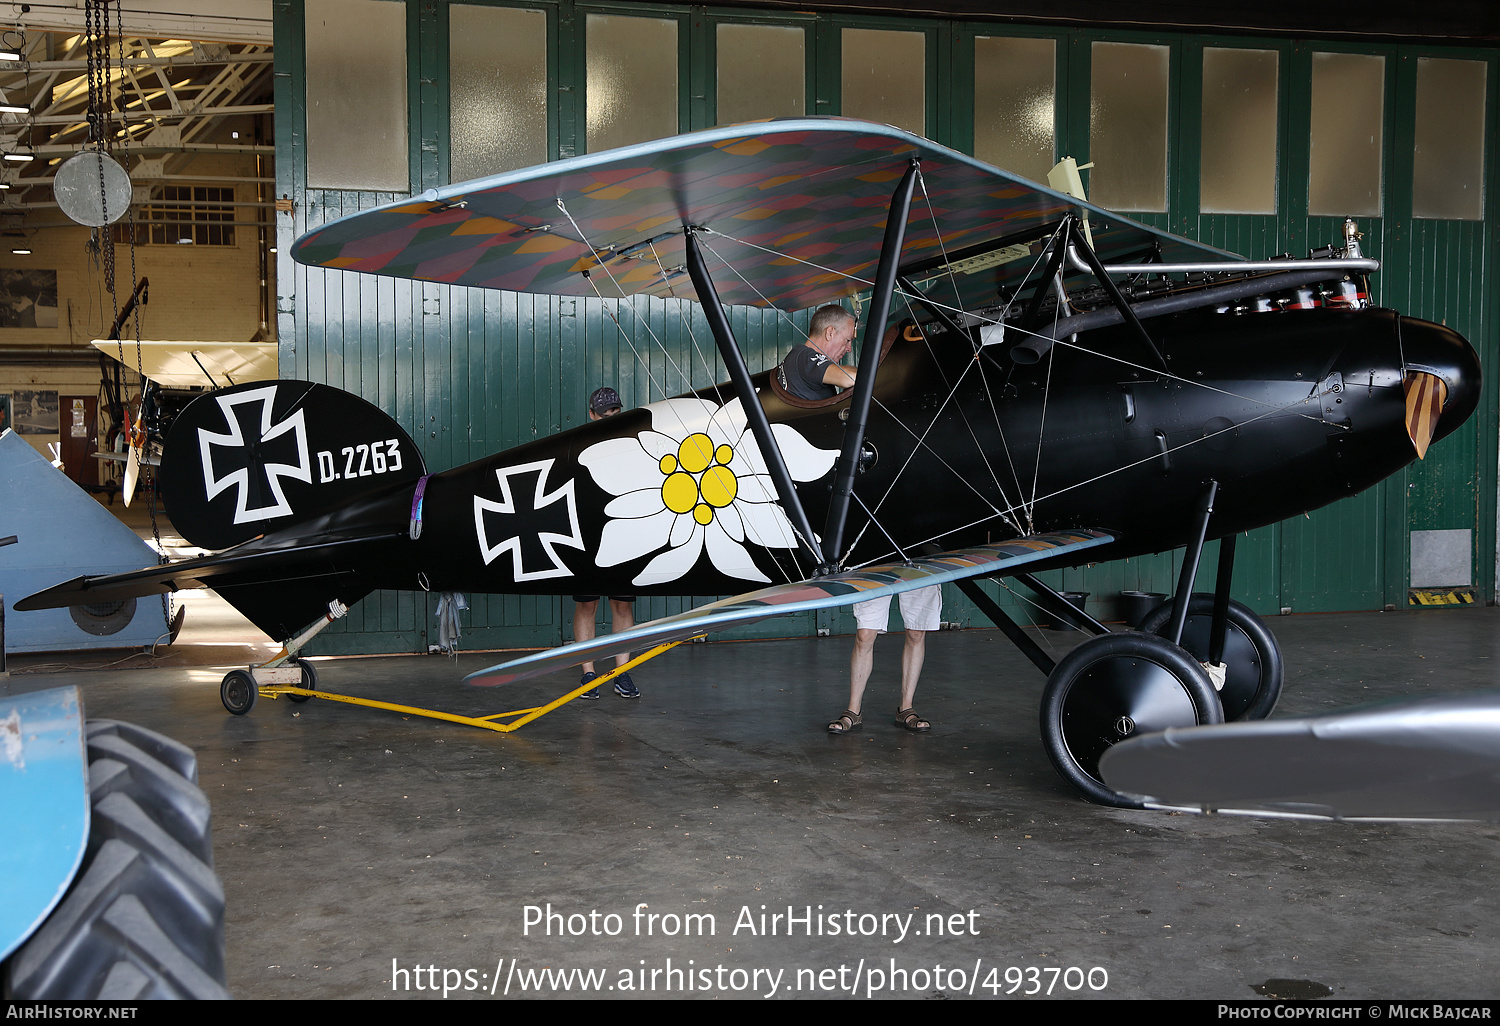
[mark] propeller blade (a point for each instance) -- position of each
(1425, 395)
(132, 473)
(1430, 758)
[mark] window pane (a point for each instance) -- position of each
(885, 78)
(762, 72)
(1238, 167)
(1014, 98)
(1348, 109)
(497, 80)
(632, 80)
(356, 96)
(1448, 180)
(1128, 126)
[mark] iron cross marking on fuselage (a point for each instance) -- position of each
(257, 453)
(529, 522)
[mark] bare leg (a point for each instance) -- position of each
(911, 665)
(583, 625)
(860, 664)
(622, 617)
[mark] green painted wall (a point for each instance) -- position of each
(469, 372)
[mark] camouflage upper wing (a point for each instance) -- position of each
(825, 592)
(805, 198)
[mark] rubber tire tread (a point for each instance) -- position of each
(144, 918)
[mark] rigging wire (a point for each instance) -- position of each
(659, 386)
(1108, 473)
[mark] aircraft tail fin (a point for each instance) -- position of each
(251, 459)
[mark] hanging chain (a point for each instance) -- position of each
(100, 121)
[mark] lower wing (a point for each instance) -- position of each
(844, 589)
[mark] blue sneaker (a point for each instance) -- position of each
(625, 687)
(593, 693)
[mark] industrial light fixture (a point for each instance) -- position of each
(13, 108)
(21, 251)
(20, 158)
(9, 55)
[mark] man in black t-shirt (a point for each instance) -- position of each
(605, 402)
(812, 370)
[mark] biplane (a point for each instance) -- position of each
(1040, 383)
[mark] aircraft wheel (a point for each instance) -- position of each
(1253, 678)
(238, 692)
(1113, 687)
(309, 680)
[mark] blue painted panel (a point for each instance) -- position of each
(45, 794)
(62, 532)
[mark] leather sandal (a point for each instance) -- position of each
(848, 722)
(909, 719)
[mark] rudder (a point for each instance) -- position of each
(250, 459)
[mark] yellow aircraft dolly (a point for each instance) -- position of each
(288, 675)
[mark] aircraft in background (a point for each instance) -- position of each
(1029, 395)
(172, 375)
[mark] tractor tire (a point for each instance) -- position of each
(144, 918)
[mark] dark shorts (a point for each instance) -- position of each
(595, 598)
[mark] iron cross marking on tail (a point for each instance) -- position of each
(260, 454)
(546, 520)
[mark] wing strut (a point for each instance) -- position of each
(755, 414)
(1073, 239)
(869, 359)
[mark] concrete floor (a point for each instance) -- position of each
(351, 840)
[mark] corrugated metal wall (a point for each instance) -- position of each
(469, 372)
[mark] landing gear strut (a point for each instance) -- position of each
(1251, 658)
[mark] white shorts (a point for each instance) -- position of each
(921, 610)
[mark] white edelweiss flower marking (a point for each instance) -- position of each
(694, 482)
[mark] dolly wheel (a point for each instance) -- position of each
(309, 680)
(239, 692)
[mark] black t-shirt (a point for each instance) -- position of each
(802, 374)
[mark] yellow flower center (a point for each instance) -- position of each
(698, 479)
(696, 453)
(679, 492)
(718, 486)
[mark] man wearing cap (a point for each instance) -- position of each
(605, 402)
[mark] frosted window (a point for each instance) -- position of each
(497, 81)
(1448, 179)
(1238, 168)
(632, 80)
(885, 78)
(1348, 110)
(1128, 126)
(356, 96)
(762, 72)
(1014, 104)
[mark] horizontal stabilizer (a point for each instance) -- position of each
(844, 589)
(1429, 759)
(279, 589)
